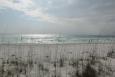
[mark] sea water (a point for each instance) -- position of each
(54, 38)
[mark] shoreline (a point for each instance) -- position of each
(50, 43)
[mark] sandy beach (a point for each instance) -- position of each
(50, 49)
(48, 54)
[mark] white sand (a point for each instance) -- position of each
(51, 52)
(53, 49)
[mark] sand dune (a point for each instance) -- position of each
(49, 55)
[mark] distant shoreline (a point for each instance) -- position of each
(51, 43)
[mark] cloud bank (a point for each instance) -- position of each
(84, 16)
(28, 7)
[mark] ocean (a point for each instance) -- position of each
(54, 38)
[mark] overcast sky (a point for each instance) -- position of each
(58, 16)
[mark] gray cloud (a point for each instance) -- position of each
(72, 16)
